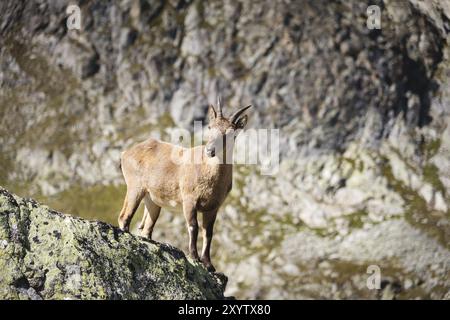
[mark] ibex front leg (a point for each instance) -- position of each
(207, 228)
(190, 213)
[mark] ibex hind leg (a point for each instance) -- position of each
(142, 223)
(151, 215)
(130, 205)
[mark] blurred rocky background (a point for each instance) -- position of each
(363, 116)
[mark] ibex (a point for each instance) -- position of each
(165, 175)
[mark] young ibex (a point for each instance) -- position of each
(165, 175)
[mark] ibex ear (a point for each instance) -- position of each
(212, 114)
(242, 122)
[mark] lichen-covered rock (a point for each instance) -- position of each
(45, 254)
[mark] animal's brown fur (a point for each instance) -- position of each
(166, 175)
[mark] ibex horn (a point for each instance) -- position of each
(238, 113)
(219, 105)
(214, 110)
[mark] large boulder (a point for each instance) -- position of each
(45, 254)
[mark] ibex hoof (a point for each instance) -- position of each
(194, 257)
(210, 268)
(146, 235)
(123, 225)
(208, 265)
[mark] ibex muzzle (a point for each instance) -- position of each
(164, 175)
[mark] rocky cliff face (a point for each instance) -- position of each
(363, 118)
(45, 254)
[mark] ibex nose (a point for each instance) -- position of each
(210, 151)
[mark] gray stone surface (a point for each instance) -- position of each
(45, 254)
